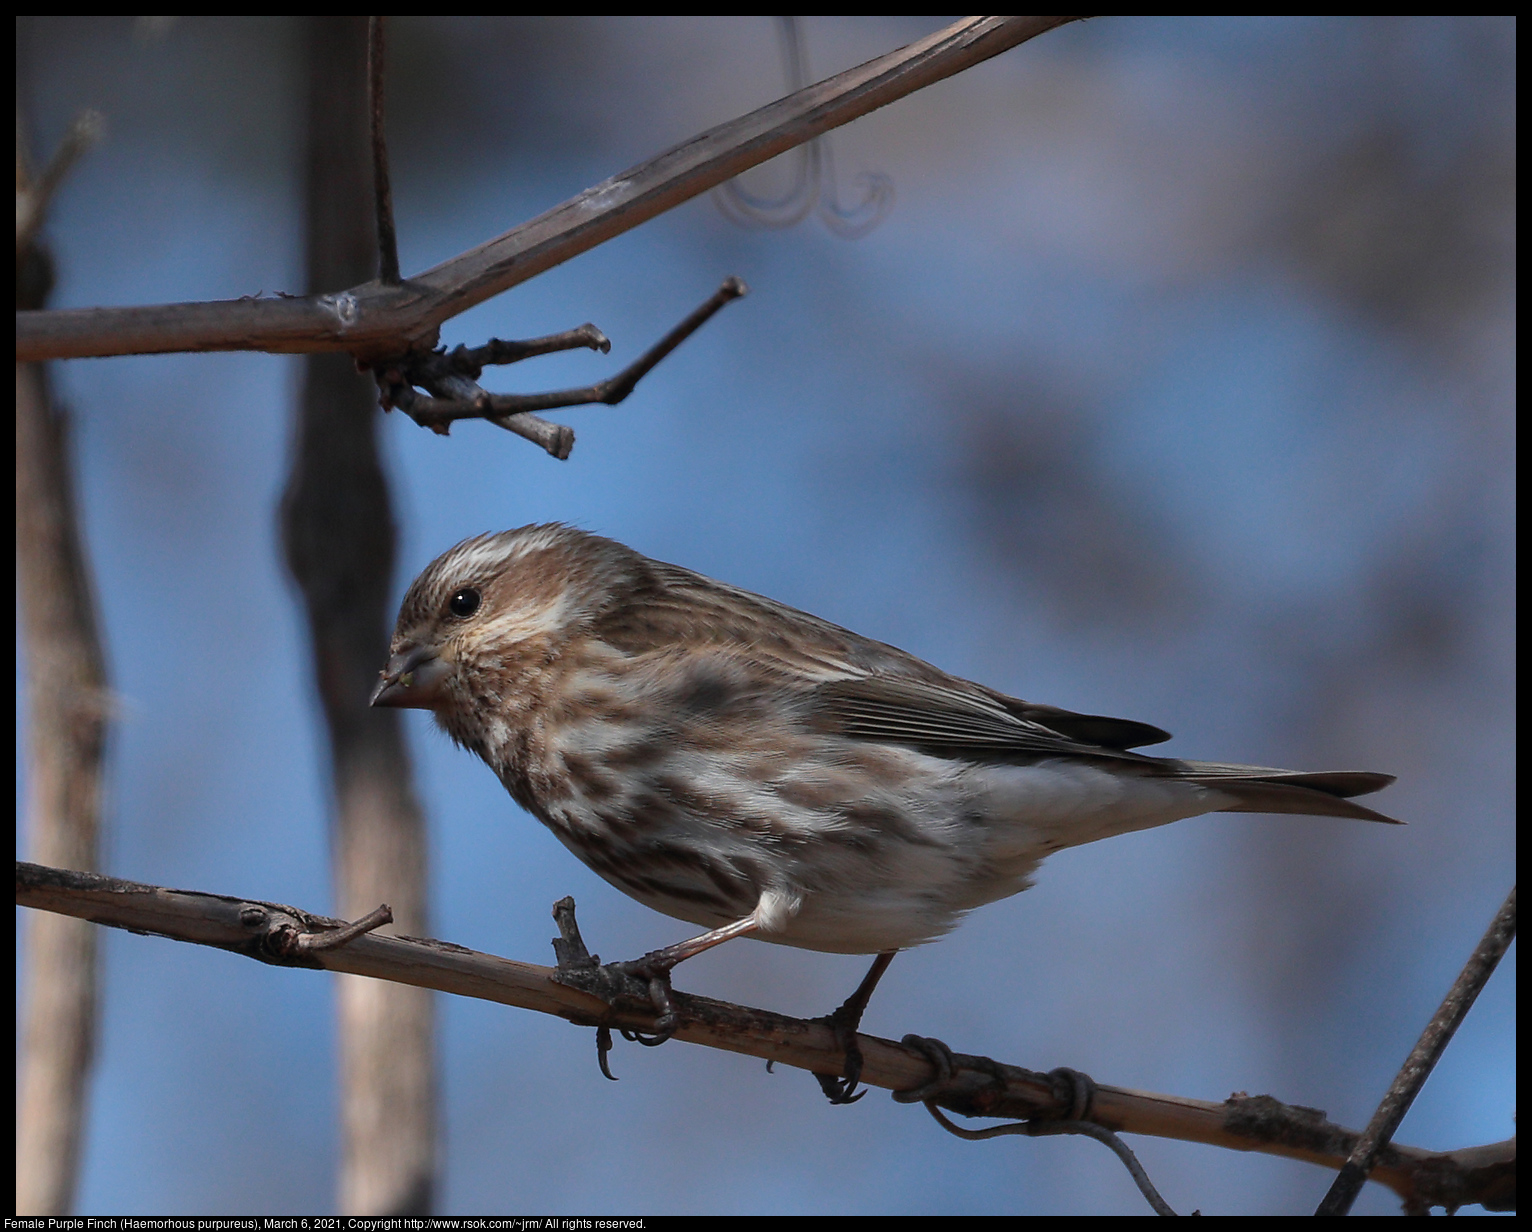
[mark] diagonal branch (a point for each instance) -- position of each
(979, 1087)
(373, 319)
(1422, 1059)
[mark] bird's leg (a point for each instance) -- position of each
(844, 1022)
(654, 969)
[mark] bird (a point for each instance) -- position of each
(754, 770)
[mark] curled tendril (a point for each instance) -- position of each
(813, 188)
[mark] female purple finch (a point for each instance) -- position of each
(744, 766)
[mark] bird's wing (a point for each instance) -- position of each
(1086, 728)
(958, 719)
(673, 607)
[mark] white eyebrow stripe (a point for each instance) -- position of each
(517, 622)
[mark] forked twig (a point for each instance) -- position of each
(451, 377)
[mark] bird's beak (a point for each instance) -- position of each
(413, 677)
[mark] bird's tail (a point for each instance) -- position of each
(1262, 789)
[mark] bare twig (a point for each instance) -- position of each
(1484, 1174)
(309, 943)
(383, 201)
(1422, 1059)
(471, 361)
(452, 377)
(372, 320)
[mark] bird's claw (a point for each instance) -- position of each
(653, 972)
(604, 1046)
(841, 1089)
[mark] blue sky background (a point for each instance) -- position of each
(1177, 386)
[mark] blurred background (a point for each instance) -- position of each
(1176, 385)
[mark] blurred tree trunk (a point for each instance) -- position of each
(339, 535)
(66, 738)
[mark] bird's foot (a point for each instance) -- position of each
(639, 983)
(651, 973)
(844, 1023)
(841, 1089)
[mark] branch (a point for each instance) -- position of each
(35, 192)
(382, 194)
(1423, 1057)
(453, 377)
(68, 708)
(979, 1087)
(374, 319)
(339, 541)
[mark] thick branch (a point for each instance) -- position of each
(373, 319)
(264, 931)
(339, 540)
(66, 725)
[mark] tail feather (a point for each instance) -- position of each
(1262, 789)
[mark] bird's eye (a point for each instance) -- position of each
(464, 602)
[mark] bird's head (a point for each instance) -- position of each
(489, 612)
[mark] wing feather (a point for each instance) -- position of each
(947, 718)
